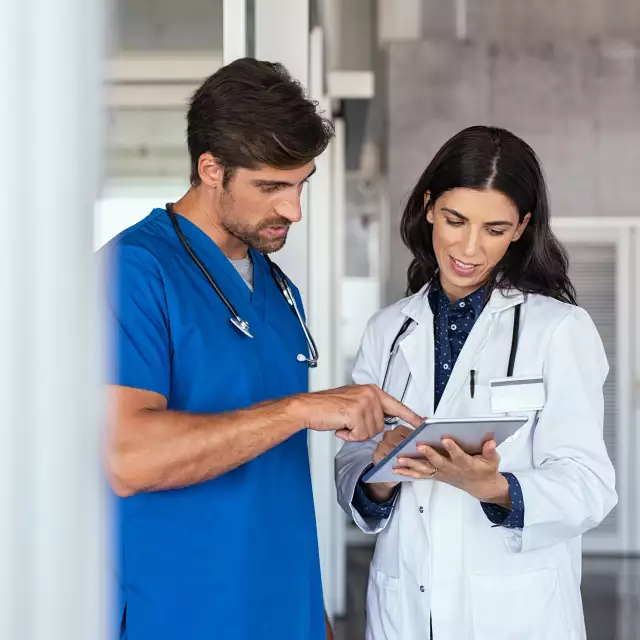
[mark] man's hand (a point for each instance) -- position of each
(381, 491)
(477, 475)
(328, 627)
(355, 412)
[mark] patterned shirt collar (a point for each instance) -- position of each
(473, 303)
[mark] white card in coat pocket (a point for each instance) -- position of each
(517, 394)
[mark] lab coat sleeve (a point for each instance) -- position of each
(354, 457)
(571, 488)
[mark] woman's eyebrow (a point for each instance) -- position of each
(493, 223)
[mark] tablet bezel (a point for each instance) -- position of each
(520, 420)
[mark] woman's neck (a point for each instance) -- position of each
(457, 293)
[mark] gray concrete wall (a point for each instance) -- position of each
(576, 100)
(169, 25)
(357, 35)
(531, 20)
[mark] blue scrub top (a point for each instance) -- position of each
(234, 558)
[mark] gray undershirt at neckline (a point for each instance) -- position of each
(244, 267)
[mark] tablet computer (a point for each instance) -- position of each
(469, 433)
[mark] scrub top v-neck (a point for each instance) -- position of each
(235, 557)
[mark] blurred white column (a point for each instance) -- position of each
(282, 35)
(234, 29)
(321, 314)
(338, 532)
(52, 522)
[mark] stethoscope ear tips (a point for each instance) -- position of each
(312, 362)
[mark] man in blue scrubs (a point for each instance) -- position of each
(208, 452)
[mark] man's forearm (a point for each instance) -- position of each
(160, 449)
(153, 449)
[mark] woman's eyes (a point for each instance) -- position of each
(458, 223)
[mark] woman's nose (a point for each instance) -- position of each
(470, 245)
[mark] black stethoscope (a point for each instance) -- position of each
(236, 320)
(395, 346)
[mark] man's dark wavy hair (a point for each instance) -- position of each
(250, 114)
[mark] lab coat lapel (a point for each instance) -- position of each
(417, 350)
(475, 343)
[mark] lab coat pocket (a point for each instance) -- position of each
(517, 394)
(521, 606)
(382, 606)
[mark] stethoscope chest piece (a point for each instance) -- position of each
(242, 326)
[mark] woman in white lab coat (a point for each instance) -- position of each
(484, 547)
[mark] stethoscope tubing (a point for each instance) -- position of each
(237, 321)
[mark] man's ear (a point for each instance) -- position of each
(211, 172)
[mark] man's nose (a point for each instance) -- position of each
(291, 209)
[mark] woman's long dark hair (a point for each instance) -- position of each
(491, 158)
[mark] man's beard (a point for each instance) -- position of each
(251, 235)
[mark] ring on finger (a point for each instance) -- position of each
(433, 473)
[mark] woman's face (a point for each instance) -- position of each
(472, 231)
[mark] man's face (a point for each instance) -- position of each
(258, 206)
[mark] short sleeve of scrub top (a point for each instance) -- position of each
(139, 319)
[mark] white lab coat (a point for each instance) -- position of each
(438, 553)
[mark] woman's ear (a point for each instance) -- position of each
(521, 227)
(428, 206)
